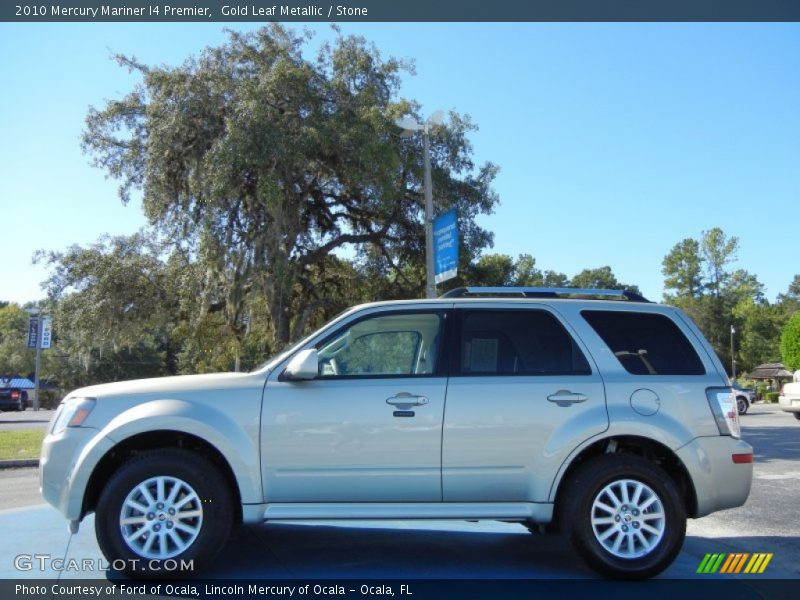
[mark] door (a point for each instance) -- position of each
(521, 396)
(368, 428)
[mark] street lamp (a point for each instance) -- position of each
(410, 125)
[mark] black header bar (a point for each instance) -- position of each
(398, 10)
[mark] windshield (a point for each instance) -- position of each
(275, 360)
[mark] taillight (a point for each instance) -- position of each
(15, 394)
(723, 405)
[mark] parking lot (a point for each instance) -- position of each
(769, 522)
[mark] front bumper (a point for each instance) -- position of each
(719, 482)
(66, 464)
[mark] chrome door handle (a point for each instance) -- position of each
(566, 397)
(406, 400)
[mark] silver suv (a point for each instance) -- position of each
(593, 411)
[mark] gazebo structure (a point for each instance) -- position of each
(770, 372)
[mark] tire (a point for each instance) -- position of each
(597, 533)
(191, 524)
(742, 405)
(797, 415)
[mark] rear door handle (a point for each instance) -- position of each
(404, 400)
(566, 397)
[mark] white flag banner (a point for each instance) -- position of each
(47, 332)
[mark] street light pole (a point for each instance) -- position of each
(733, 359)
(409, 126)
(430, 281)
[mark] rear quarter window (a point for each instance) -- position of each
(646, 343)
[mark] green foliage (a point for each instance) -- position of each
(15, 357)
(759, 332)
(698, 280)
(790, 343)
(113, 306)
(602, 278)
(262, 162)
(682, 269)
(718, 250)
(771, 397)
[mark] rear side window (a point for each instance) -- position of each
(646, 343)
(522, 342)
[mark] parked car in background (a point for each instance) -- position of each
(13, 399)
(789, 400)
(744, 397)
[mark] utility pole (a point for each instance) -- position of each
(430, 281)
(733, 358)
(410, 125)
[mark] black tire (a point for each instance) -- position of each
(797, 415)
(576, 512)
(214, 502)
(742, 404)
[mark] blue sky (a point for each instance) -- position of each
(615, 141)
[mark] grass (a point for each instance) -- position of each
(20, 443)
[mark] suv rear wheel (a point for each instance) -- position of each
(164, 505)
(624, 516)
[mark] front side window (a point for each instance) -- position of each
(384, 345)
(645, 343)
(517, 342)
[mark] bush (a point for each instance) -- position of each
(790, 343)
(771, 397)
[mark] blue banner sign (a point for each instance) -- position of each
(33, 332)
(445, 246)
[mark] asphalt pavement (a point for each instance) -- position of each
(768, 522)
(27, 419)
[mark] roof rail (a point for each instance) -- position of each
(542, 292)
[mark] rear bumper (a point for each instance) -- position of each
(789, 404)
(719, 482)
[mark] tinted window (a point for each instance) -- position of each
(645, 343)
(383, 345)
(525, 342)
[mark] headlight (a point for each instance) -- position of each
(72, 413)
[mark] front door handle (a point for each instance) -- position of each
(566, 397)
(404, 400)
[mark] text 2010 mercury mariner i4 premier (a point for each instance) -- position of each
(594, 411)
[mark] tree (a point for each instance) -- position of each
(790, 343)
(759, 332)
(114, 304)
(261, 163)
(15, 357)
(717, 298)
(603, 278)
(682, 269)
(718, 251)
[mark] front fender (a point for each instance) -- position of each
(238, 443)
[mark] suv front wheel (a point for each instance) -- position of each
(624, 516)
(164, 508)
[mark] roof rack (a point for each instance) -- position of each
(542, 292)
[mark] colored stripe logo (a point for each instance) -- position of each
(734, 563)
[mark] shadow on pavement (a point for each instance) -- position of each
(406, 550)
(767, 446)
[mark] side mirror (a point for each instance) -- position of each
(305, 365)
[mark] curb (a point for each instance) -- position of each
(19, 464)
